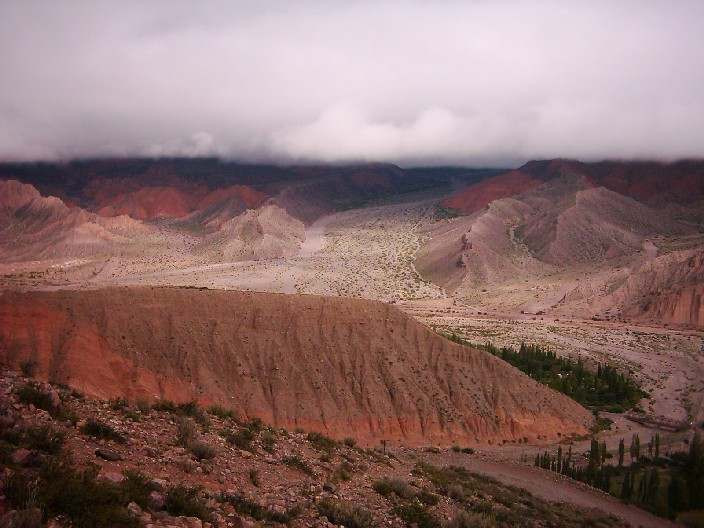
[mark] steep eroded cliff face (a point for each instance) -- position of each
(668, 289)
(347, 367)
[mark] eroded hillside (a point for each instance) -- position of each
(343, 366)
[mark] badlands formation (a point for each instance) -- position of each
(116, 279)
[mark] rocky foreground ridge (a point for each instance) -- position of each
(68, 460)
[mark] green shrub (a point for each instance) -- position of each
(692, 519)
(143, 406)
(346, 514)
(268, 439)
(183, 501)
(44, 438)
(416, 514)
(465, 519)
(186, 431)
(245, 506)
(350, 442)
(59, 489)
(399, 487)
(254, 477)
(30, 394)
(342, 472)
(136, 488)
(118, 404)
(202, 450)
(456, 448)
(322, 442)
(165, 406)
(28, 368)
(255, 425)
(242, 439)
(221, 412)
(427, 497)
(98, 429)
(468, 450)
(133, 415)
(298, 463)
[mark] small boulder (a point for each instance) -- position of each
(192, 522)
(159, 484)
(134, 510)
(21, 456)
(112, 476)
(108, 454)
(156, 500)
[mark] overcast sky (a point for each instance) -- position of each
(473, 82)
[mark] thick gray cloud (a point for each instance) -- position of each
(483, 82)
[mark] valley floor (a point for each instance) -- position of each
(369, 253)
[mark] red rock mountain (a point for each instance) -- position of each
(347, 367)
(650, 182)
(44, 227)
(149, 203)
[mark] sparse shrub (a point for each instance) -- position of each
(344, 513)
(202, 450)
(44, 438)
(382, 487)
(98, 429)
(193, 410)
(165, 406)
(30, 394)
(465, 519)
(416, 514)
(118, 404)
(254, 477)
(183, 501)
(27, 518)
(186, 432)
(427, 497)
(255, 425)
(242, 439)
(342, 472)
(399, 487)
(322, 442)
(296, 462)
(143, 406)
(221, 412)
(456, 448)
(28, 368)
(432, 449)
(456, 492)
(468, 450)
(59, 489)
(245, 506)
(268, 439)
(133, 415)
(136, 488)
(350, 442)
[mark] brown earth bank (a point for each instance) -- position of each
(347, 367)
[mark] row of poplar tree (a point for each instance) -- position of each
(664, 484)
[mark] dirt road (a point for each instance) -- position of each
(552, 487)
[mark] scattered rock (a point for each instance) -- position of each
(112, 476)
